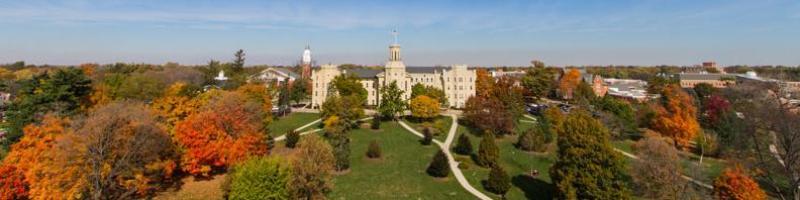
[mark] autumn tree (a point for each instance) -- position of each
(657, 172)
(430, 91)
(224, 132)
(12, 183)
(424, 107)
(392, 102)
(347, 108)
(488, 152)
(586, 165)
(260, 178)
(568, 82)
(176, 104)
(259, 95)
(439, 166)
(312, 164)
(483, 82)
(676, 116)
(486, 113)
(735, 184)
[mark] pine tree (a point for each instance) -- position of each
(464, 146)
(292, 137)
(488, 151)
(374, 150)
(499, 182)
(376, 122)
(341, 151)
(439, 166)
(587, 167)
(427, 138)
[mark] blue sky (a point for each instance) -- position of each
(486, 33)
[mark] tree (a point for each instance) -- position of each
(657, 172)
(583, 94)
(284, 95)
(499, 182)
(569, 81)
(427, 136)
(63, 92)
(538, 81)
(586, 165)
(676, 116)
(532, 140)
(391, 101)
(735, 184)
(12, 183)
(714, 108)
(176, 104)
(375, 124)
(347, 108)
(703, 92)
(260, 178)
(347, 85)
(439, 166)
(374, 150)
(238, 62)
(292, 137)
(487, 113)
(259, 95)
(312, 164)
(430, 91)
(483, 82)
(341, 150)
(488, 152)
(424, 107)
(553, 118)
(226, 131)
(301, 90)
(622, 119)
(507, 91)
(463, 146)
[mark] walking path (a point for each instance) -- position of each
(453, 163)
(283, 137)
(690, 179)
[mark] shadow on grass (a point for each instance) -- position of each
(533, 188)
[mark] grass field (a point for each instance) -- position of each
(517, 163)
(282, 125)
(711, 168)
(441, 123)
(400, 174)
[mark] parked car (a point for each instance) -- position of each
(281, 110)
(535, 109)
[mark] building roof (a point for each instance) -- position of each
(704, 76)
(288, 72)
(421, 70)
(364, 73)
(627, 88)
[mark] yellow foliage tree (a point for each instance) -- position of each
(424, 107)
(173, 106)
(569, 82)
(676, 117)
(260, 94)
(483, 82)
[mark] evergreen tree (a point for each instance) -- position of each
(499, 182)
(392, 102)
(292, 137)
(464, 146)
(374, 150)
(376, 122)
(488, 152)
(238, 62)
(587, 166)
(427, 136)
(439, 166)
(341, 150)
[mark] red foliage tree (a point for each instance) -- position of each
(734, 184)
(715, 107)
(227, 131)
(12, 183)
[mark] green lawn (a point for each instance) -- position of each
(400, 174)
(517, 163)
(441, 123)
(711, 168)
(282, 125)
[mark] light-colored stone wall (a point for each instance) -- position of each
(320, 79)
(459, 85)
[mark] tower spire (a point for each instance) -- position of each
(394, 33)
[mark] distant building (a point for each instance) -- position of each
(306, 63)
(689, 80)
(276, 76)
(628, 89)
(596, 81)
(457, 82)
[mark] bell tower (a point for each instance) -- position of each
(395, 69)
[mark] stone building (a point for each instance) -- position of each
(457, 81)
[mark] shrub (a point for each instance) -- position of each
(374, 150)
(427, 138)
(376, 122)
(734, 184)
(463, 146)
(532, 140)
(499, 182)
(488, 151)
(707, 144)
(292, 137)
(341, 151)
(439, 166)
(260, 178)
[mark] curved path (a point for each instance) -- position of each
(283, 137)
(445, 147)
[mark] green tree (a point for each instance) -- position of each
(349, 109)
(584, 94)
(463, 146)
(439, 166)
(532, 140)
(430, 91)
(427, 136)
(392, 102)
(284, 95)
(488, 152)
(63, 92)
(375, 123)
(587, 167)
(238, 62)
(538, 81)
(292, 137)
(300, 90)
(499, 182)
(260, 178)
(347, 85)
(341, 150)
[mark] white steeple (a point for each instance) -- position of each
(306, 59)
(394, 49)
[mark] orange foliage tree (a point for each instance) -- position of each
(224, 132)
(175, 106)
(734, 184)
(259, 94)
(483, 82)
(569, 81)
(676, 116)
(12, 183)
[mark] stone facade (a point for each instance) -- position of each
(457, 82)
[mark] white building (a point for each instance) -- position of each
(457, 82)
